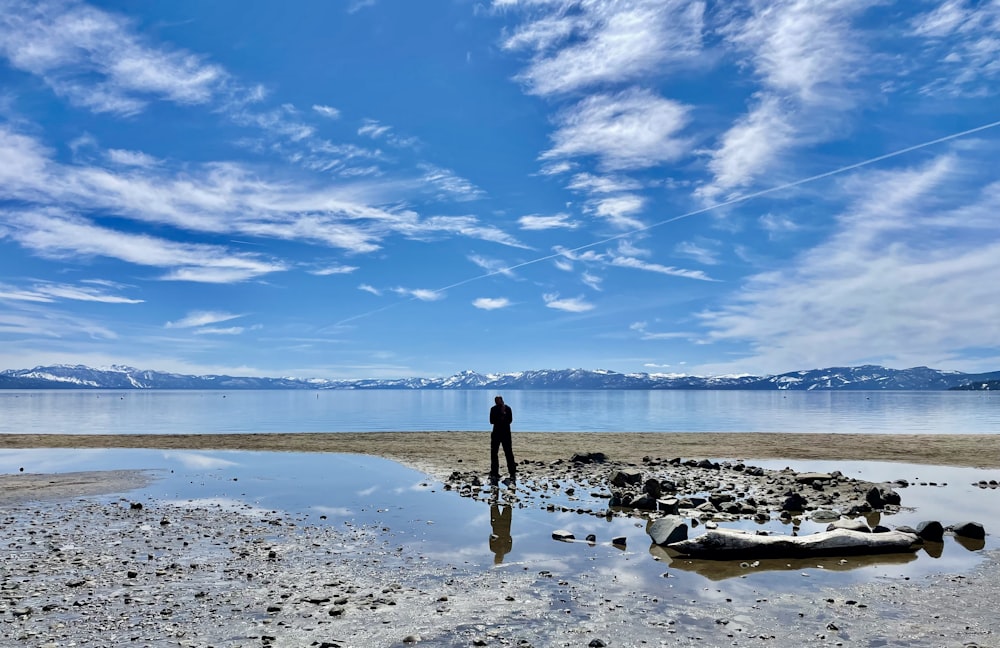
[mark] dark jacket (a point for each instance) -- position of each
(501, 417)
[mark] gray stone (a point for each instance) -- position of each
(931, 530)
(794, 502)
(667, 530)
(563, 535)
(880, 495)
(854, 524)
(642, 502)
(626, 477)
(973, 530)
(670, 505)
(824, 515)
(720, 498)
(733, 508)
(810, 477)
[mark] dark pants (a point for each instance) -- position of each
(498, 439)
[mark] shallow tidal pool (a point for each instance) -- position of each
(417, 515)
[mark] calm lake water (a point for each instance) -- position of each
(338, 489)
(205, 412)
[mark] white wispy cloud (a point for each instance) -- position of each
(639, 264)
(232, 330)
(642, 328)
(960, 38)
(492, 266)
(632, 129)
(602, 184)
(568, 304)
(605, 42)
(557, 168)
(592, 280)
(327, 111)
(196, 319)
(131, 158)
(448, 183)
(370, 289)
(537, 222)
(803, 49)
(94, 59)
(281, 122)
(58, 236)
(866, 287)
(750, 147)
(807, 58)
(373, 129)
(45, 291)
(491, 303)
(777, 224)
(333, 270)
(31, 321)
(619, 210)
(422, 294)
(215, 199)
(700, 252)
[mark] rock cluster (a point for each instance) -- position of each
(670, 493)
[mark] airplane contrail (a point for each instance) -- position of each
(697, 212)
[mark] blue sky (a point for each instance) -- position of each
(390, 188)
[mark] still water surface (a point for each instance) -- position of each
(206, 412)
(416, 512)
(420, 513)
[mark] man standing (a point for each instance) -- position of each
(501, 417)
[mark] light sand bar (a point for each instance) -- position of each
(440, 452)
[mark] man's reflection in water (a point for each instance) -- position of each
(500, 540)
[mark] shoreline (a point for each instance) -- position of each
(275, 578)
(440, 452)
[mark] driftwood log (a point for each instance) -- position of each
(734, 544)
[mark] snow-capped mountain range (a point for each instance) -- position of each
(866, 377)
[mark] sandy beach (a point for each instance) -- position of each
(84, 570)
(441, 452)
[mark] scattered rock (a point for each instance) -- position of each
(853, 524)
(667, 530)
(932, 531)
(794, 502)
(626, 477)
(810, 477)
(973, 530)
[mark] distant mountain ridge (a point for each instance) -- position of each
(862, 378)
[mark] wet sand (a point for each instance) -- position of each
(438, 453)
(83, 570)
